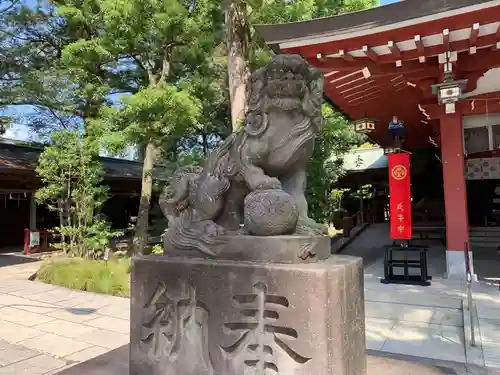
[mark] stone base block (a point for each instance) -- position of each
(223, 317)
(455, 265)
(278, 249)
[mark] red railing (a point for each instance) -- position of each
(43, 244)
(357, 219)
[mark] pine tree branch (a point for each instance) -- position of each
(138, 62)
(9, 7)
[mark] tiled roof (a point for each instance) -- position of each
(350, 23)
(362, 159)
(23, 156)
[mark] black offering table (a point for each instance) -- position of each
(406, 256)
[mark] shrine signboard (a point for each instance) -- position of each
(400, 196)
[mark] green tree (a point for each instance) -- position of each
(71, 176)
(154, 45)
(68, 58)
(238, 69)
(151, 116)
(209, 85)
(39, 70)
(245, 49)
(325, 167)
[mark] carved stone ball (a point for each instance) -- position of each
(270, 213)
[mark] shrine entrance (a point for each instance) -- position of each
(483, 199)
(482, 170)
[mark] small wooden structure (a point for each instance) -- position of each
(19, 182)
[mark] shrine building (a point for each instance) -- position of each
(436, 66)
(19, 182)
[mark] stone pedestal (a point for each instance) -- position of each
(276, 249)
(193, 316)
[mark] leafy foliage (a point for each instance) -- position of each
(152, 114)
(71, 175)
(148, 73)
(54, 91)
(338, 136)
(157, 249)
(148, 42)
(325, 166)
(282, 11)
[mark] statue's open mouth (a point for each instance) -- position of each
(284, 103)
(288, 88)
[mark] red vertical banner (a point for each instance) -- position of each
(400, 196)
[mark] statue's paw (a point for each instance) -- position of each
(270, 183)
(323, 231)
(303, 230)
(308, 231)
(237, 232)
(309, 227)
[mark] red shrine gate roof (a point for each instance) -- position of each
(383, 61)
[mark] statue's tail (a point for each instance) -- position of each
(185, 233)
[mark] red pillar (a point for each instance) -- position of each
(455, 192)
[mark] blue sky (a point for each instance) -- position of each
(384, 2)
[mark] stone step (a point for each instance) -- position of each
(487, 236)
(485, 229)
(484, 238)
(489, 245)
(486, 232)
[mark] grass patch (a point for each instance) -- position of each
(96, 276)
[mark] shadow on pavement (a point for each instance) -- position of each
(11, 260)
(116, 362)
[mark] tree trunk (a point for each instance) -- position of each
(60, 208)
(237, 59)
(141, 151)
(141, 229)
(204, 138)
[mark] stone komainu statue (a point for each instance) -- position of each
(257, 176)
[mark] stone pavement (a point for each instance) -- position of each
(17, 266)
(380, 363)
(116, 362)
(411, 320)
(487, 302)
(44, 327)
(16, 359)
(426, 322)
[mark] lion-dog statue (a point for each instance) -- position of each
(269, 153)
